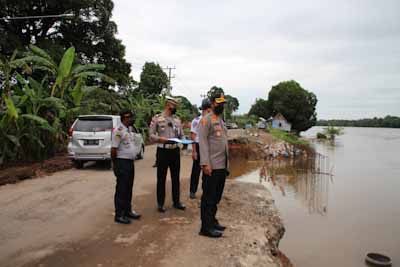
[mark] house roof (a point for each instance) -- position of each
(280, 117)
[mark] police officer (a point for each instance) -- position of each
(123, 155)
(194, 131)
(214, 161)
(163, 127)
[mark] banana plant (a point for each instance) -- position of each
(20, 132)
(8, 67)
(22, 125)
(66, 74)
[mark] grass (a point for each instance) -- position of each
(287, 137)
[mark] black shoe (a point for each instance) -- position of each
(161, 209)
(133, 215)
(211, 233)
(192, 195)
(179, 206)
(219, 227)
(122, 219)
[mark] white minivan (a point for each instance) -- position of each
(90, 139)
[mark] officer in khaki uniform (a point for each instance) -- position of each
(213, 144)
(163, 127)
(123, 155)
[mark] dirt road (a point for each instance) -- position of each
(67, 220)
(44, 215)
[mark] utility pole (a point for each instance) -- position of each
(69, 15)
(169, 78)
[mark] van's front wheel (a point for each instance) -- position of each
(107, 164)
(78, 164)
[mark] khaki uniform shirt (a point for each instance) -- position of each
(165, 126)
(213, 137)
(123, 140)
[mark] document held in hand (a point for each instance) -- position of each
(181, 141)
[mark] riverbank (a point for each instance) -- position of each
(251, 239)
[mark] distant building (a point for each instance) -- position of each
(280, 122)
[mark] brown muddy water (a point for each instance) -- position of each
(343, 204)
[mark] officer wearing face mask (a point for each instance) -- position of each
(165, 126)
(123, 155)
(214, 162)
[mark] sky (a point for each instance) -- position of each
(347, 52)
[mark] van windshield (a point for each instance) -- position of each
(93, 124)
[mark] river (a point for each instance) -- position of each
(350, 207)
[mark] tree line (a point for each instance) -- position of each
(386, 122)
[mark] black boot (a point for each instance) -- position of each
(122, 219)
(210, 233)
(133, 215)
(179, 206)
(161, 209)
(219, 227)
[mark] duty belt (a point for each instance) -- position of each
(168, 146)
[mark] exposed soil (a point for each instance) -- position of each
(19, 171)
(251, 239)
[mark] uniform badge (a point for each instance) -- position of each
(217, 127)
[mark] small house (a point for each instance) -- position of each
(280, 122)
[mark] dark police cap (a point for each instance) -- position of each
(126, 112)
(205, 104)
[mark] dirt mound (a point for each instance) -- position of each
(260, 145)
(19, 171)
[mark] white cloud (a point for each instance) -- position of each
(346, 51)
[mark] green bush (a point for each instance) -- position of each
(321, 136)
(287, 137)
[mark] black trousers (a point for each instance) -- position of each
(196, 170)
(124, 170)
(213, 188)
(168, 158)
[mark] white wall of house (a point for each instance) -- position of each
(281, 125)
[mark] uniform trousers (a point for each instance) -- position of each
(124, 170)
(196, 170)
(168, 158)
(213, 188)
